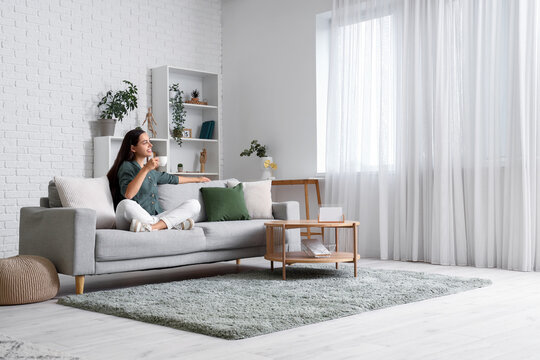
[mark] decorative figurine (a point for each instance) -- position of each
(202, 160)
(151, 122)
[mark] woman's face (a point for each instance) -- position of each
(143, 147)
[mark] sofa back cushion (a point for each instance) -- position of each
(90, 193)
(170, 196)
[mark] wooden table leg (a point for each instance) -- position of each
(355, 246)
(337, 264)
(270, 243)
(306, 196)
(283, 255)
(318, 196)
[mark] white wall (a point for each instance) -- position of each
(269, 84)
(57, 57)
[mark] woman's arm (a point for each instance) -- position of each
(135, 184)
(187, 179)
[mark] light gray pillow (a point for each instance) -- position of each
(258, 197)
(90, 193)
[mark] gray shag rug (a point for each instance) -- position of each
(242, 305)
(17, 349)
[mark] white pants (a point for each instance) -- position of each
(127, 210)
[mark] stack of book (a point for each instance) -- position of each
(314, 248)
(207, 130)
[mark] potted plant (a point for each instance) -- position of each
(255, 148)
(267, 165)
(195, 96)
(173, 90)
(180, 167)
(178, 113)
(115, 106)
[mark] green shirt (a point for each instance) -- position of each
(147, 196)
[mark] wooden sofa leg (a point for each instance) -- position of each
(79, 284)
(237, 261)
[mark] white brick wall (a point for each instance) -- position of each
(58, 57)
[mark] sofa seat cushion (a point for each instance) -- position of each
(114, 245)
(223, 235)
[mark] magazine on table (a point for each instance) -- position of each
(315, 248)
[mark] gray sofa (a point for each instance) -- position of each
(69, 238)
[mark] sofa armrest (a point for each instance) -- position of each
(66, 236)
(289, 210)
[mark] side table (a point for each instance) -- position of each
(286, 257)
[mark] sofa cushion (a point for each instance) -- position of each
(225, 204)
(170, 196)
(90, 193)
(124, 245)
(222, 235)
(258, 197)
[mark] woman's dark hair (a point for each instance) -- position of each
(124, 154)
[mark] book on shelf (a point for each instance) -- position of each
(207, 130)
(315, 248)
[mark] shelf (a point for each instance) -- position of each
(302, 257)
(120, 138)
(191, 72)
(197, 140)
(195, 173)
(197, 106)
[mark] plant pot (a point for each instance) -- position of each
(266, 171)
(106, 127)
(180, 168)
(195, 100)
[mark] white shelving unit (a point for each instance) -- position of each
(106, 147)
(188, 154)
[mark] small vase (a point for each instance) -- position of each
(266, 171)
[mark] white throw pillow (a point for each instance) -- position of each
(88, 193)
(258, 197)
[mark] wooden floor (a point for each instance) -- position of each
(501, 321)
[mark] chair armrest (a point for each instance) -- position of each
(66, 236)
(289, 210)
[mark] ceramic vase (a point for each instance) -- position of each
(266, 171)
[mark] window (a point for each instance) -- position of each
(376, 87)
(322, 69)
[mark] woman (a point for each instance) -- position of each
(134, 189)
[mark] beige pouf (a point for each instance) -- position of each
(27, 279)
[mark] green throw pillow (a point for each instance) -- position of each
(224, 204)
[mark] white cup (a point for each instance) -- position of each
(162, 160)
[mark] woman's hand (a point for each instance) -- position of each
(203, 179)
(152, 164)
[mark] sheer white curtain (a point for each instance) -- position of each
(432, 135)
